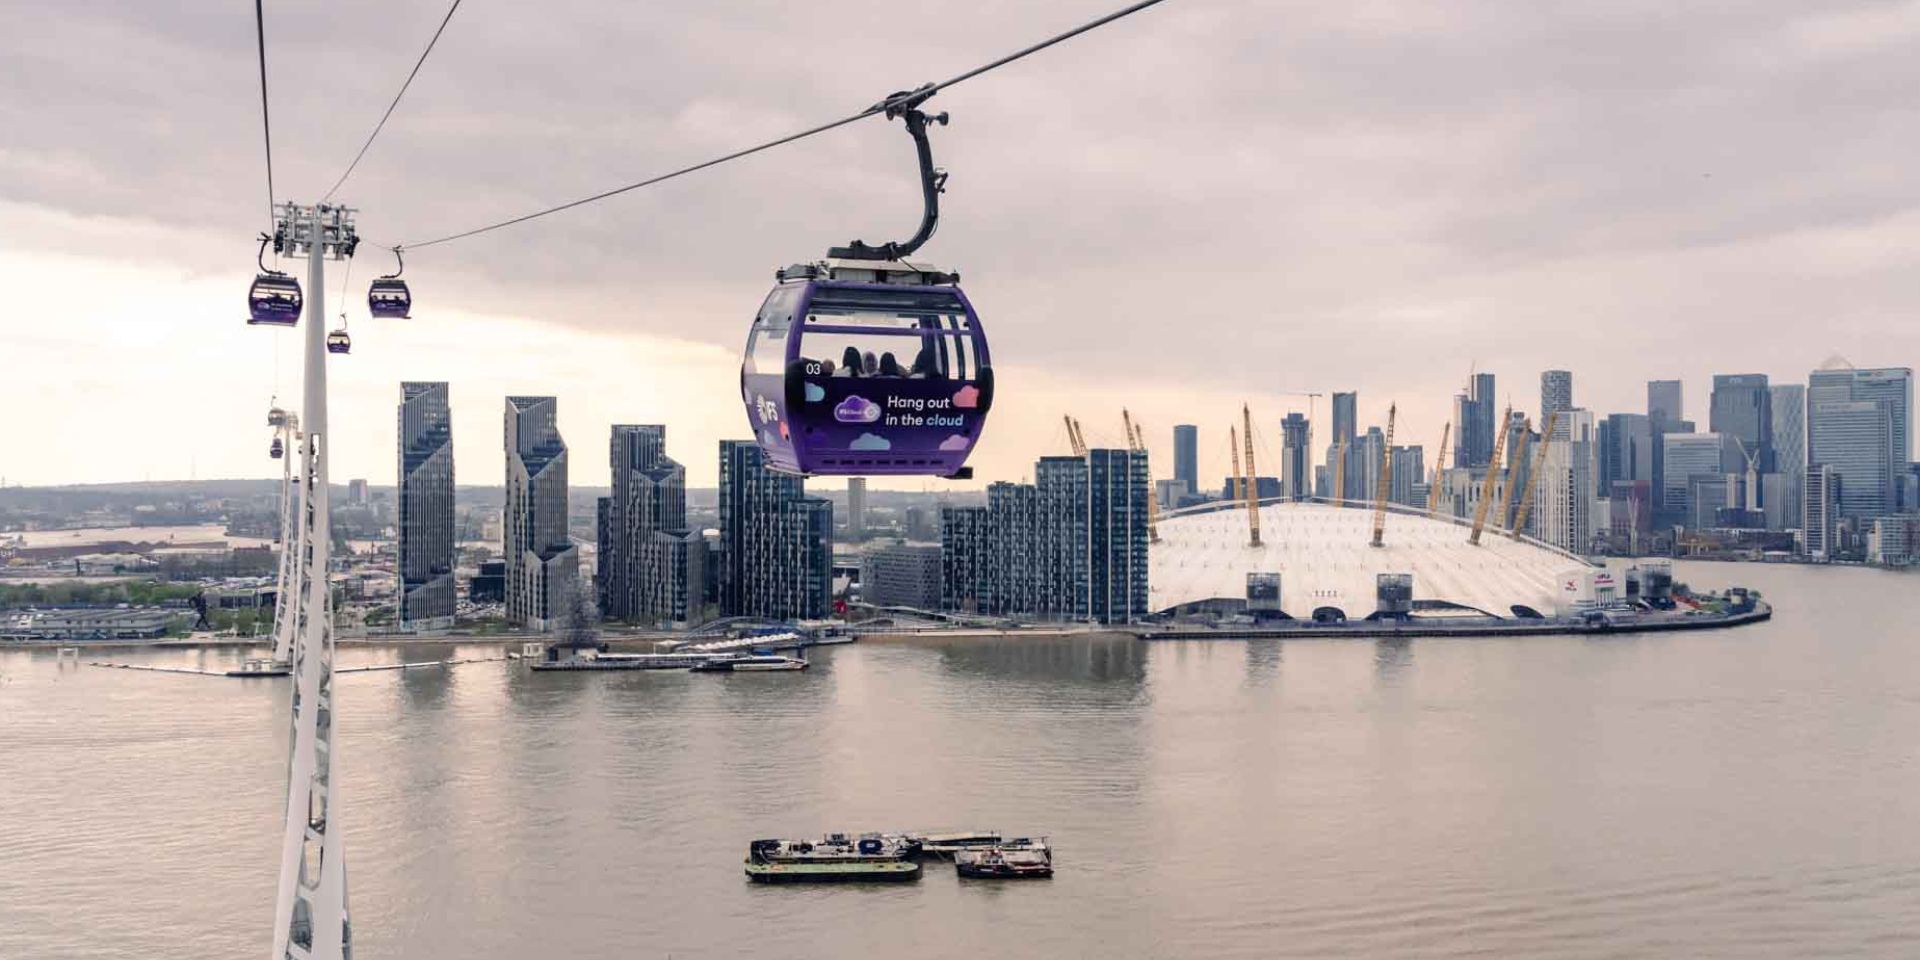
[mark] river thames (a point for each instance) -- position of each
(1746, 793)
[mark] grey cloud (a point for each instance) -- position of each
(1260, 179)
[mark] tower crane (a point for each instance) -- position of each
(1137, 442)
(1439, 467)
(1385, 484)
(1074, 440)
(1516, 458)
(1246, 485)
(1539, 464)
(1486, 488)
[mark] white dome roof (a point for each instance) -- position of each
(1325, 558)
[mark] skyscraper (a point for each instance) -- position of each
(1473, 427)
(1345, 417)
(1186, 456)
(1856, 440)
(856, 508)
(1296, 460)
(1664, 402)
(1341, 452)
(543, 566)
(1556, 396)
(776, 543)
(425, 523)
(1563, 493)
(1821, 514)
(651, 566)
(1625, 452)
(1742, 408)
(1789, 415)
(1691, 455)
(1117, 541)
(1891, 387)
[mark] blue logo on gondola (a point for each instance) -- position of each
(856, 409)
(815, 393)
(868, 441)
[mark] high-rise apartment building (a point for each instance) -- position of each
(543, 566)
(1070, 546)
(902, 575)
(1117, 527)
(776, 543)
(1820, 517)
(1296, 458)
(1186, 457)
(425, 508)
(1343, 458)
(1556, 396)
(856, 508)
(1562, 512)
(652, 568)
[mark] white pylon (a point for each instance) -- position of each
(286, 428)
(310, 913)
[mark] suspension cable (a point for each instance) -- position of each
(879, 108)
(396, 102)
(266, 125)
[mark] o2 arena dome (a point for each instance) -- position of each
(1328, 568)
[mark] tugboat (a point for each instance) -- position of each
(749, 663)
(1017, 860)
(871, 858)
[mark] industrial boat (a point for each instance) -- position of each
(750, 663)
(869, 858)
(945, 845)
(1017, 860)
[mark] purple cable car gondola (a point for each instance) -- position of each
(339, 342)
(277, 450)
(274, 299)
(864, 364)
(388, 297)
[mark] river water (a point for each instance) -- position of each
(1740, 793)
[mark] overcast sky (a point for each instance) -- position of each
(1209, 202)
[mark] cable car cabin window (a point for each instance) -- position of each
(767, 347)
(926, 354)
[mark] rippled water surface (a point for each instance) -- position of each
(1744, 793)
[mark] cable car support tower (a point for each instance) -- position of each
(310, 913)
(286, 438)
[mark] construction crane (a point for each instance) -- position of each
(1074, 439)
(1752, 499)
(1137, 441)
(1486, 488)
(1539, 463)
(1516, 458)
(1253, 478)
(1385, 484)
(1439, 467)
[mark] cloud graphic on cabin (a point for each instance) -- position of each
(856, 409)
(815, 393)
(955, 442)
(968, 397)
(868, 441)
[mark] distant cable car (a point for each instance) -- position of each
(388, 297)
(277, 450)
(865, 364)
(339, 342)
(274, 299)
